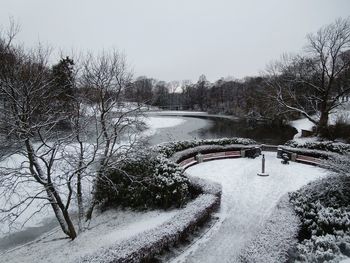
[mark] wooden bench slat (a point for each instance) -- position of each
(209, 156)
(307, 159)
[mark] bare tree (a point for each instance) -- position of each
(31, 117)
(7, 36)
(309, 84)
(117, 123)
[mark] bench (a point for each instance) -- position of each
(221, 155)
(188, 162)
(307, 159)
(210, 156)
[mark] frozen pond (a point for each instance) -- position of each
(188, 129)
(204, 126)
(247, 201)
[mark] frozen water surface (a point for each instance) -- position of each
(247, 201)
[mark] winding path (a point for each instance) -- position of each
(247, 202)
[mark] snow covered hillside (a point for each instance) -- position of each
(107, 229)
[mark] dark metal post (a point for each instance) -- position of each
(263, 167)
(263, 164)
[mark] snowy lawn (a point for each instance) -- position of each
(109, 228)
(247, 201)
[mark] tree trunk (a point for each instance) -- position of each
(322, 126)
(61, 213)
(103, 163)
(80, 203)
(91, 209)
(79, 187)
(93, 202)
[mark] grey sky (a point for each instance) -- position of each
(176, 39)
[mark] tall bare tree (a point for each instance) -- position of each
(117, 123)
(30, 117)
(308, 83)
(52, 165)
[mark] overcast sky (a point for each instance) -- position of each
(176, 39)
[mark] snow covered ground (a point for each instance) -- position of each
(46, 215)
(301, 124)
(342, 113)
(247, 201)
(107, 229)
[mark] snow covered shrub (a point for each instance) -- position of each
(169, 148)
(324, 209)
(153, 180)
(147, 181)
(340, 164)
(336, 147)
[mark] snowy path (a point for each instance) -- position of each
(247, 201)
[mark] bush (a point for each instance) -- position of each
(148, 181)
(330, 146)
(339, 131)
(324, 209)
(169, 148)
(151, 180)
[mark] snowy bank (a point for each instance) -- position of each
(146, 245)
(124, 237)
(339, 114)
(109, 228)
(39, 219)
(302, 124)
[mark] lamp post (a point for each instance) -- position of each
(263, 167)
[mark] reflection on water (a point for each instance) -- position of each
(261, 132)
(205, 127)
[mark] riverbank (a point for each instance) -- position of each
(25, 231)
